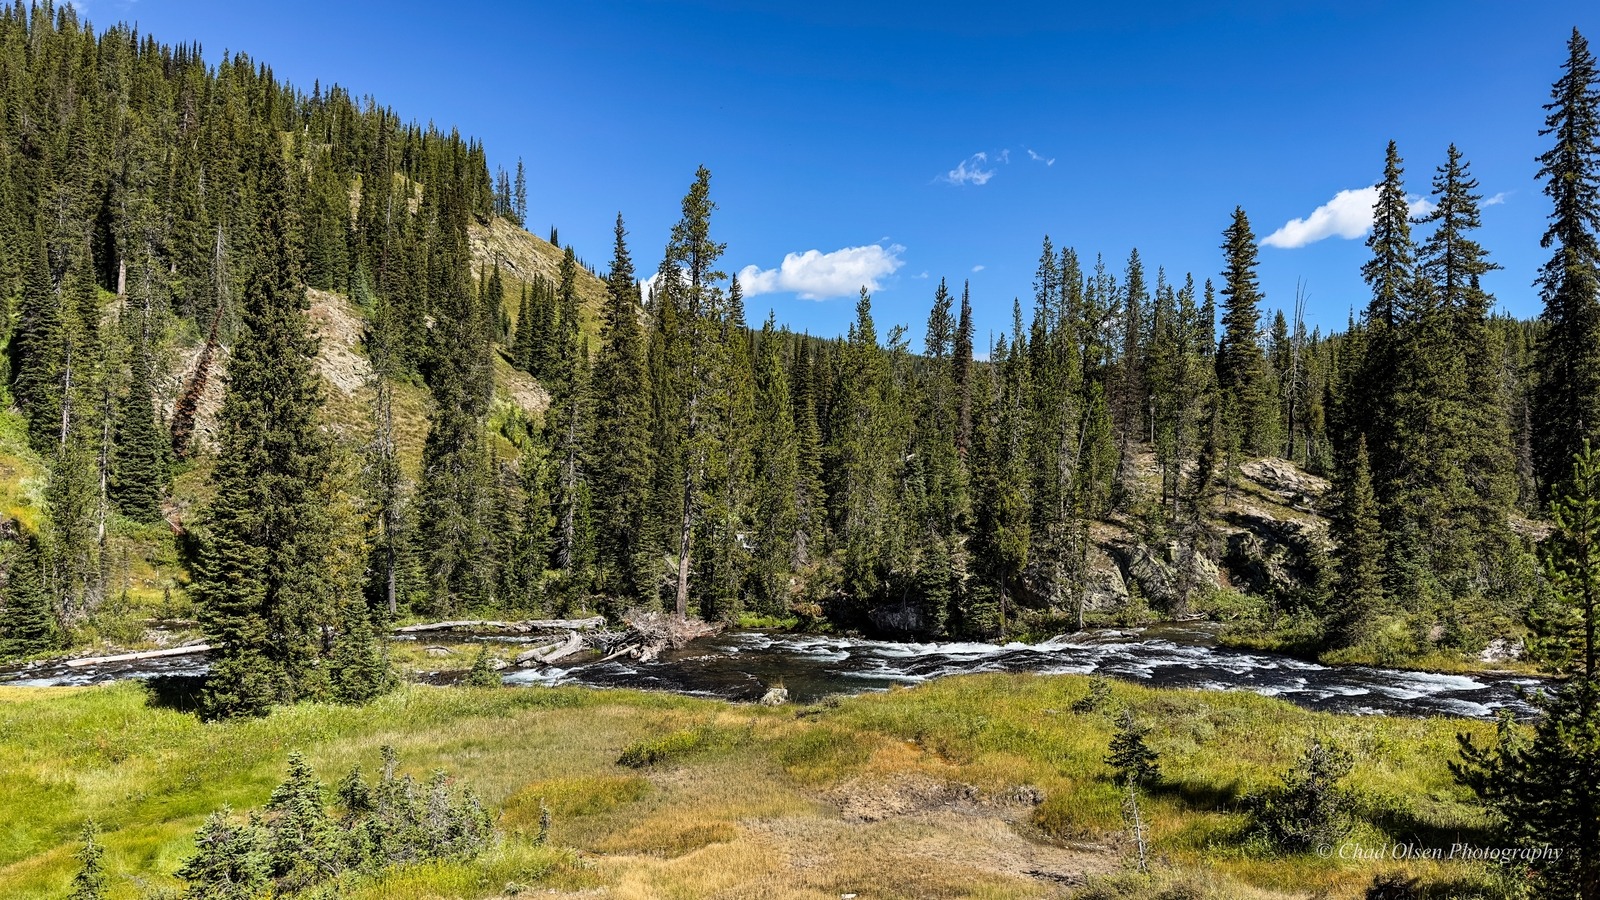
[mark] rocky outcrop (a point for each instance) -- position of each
(1168, 576)
(1294, 485)
(1275, 557)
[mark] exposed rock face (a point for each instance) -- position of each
(1275, 557)
(339, 329)
(1107, 588)
(1170, 575)
(1502, 650)
(1301, 489)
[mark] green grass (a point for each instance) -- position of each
(739, 800)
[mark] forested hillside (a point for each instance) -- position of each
(287, 364)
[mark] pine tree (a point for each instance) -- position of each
(1566, 408)
(1543, 790)
(1241, 367)
(28, 623)
(262, 580)
(622, 453)
(1358, 533)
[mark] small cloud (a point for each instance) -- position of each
(1497, 199)
(1348, 215)
(649, 284)
(969, 171)
(1005, 156)
(815, 275)
(1037, 158)
(922, 275)
(977, 268)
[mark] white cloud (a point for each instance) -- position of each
(1497, 199)
(1037, 158)
(922, 275)
(1347, 215)
(977, 268)
(969, 171)
(649, 284)
(1005, 156)
(815, 275)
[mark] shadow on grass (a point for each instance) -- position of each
(1205, 795)
(175, 692)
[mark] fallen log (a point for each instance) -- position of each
(548, 654)
(631, 648)
(487, 624)
(188, 650)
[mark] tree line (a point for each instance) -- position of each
(687, 460)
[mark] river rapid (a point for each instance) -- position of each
(742, 665)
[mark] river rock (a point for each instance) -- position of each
(776, 696)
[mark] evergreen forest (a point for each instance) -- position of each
(502, 428)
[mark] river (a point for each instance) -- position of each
(741, 665)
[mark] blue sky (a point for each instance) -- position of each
(907, 141)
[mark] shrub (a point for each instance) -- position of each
(296, 844)
(1310, 809)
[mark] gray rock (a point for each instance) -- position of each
(1502, 650)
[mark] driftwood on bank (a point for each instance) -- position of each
(649, 634)
(188, 650)
(543, 656)
(519, 627)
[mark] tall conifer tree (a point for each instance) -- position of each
(263, 584)
(1241, 367)
(1566, 407)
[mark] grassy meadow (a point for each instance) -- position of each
(984, 786)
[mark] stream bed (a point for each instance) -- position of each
(742, 665)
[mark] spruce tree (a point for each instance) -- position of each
(1566, 407)
(89, 883)
(452, 540)
(1369, 403)
(1359, 536)
(961, 361)
(1543, 790)
(776, 500)
(623, 455)
(687, 320)
(37, 347)
(139, 458)
(859, 457)
(261, 581)
(1241, 367)
(28, 623)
